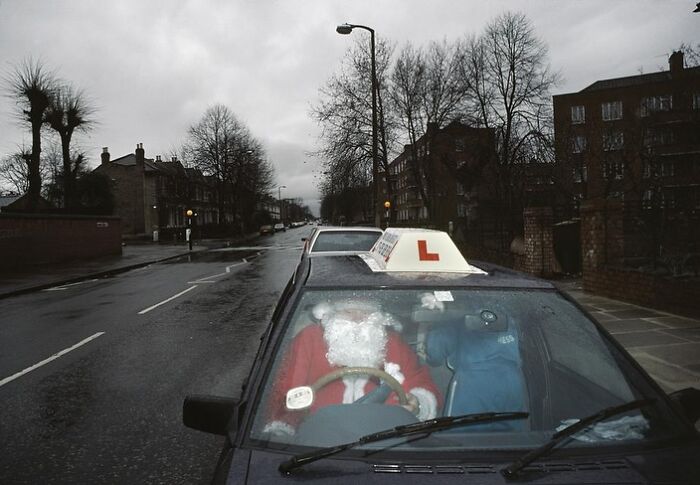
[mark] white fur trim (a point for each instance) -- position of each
(354, 388)
(427, 401)
(321, 310)
(394, 370)
(279, 428)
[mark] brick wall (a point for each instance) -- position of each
(27, 239)
(602, 245)
(538, 258)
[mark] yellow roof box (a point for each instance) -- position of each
(417, 250)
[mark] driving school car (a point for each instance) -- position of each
(408, 364)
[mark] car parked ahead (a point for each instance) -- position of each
(280, 227)
(409, 364)
(267, 229)
(336, 240)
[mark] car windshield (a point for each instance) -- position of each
(345, 241)
(354, 362)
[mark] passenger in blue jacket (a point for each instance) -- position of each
(483, 353)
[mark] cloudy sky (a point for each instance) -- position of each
(153, 67)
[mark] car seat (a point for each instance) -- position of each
(482, 351)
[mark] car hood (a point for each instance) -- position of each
(677, 465)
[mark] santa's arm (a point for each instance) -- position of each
(414, 378)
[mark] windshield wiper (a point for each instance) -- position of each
(427, 426)
(512, 470)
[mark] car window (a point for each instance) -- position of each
(345, 241)
(452, 352)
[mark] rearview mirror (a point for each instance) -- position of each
(688, 400)
(210, 414)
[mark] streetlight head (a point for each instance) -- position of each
(344, 29)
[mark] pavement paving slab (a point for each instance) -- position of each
(602, 317)
(635, 313)
(676, 322)
(669, 376)
(686, 333)
(647, 339)
(685, 354)
(631, 325)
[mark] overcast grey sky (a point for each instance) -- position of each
(153, 67)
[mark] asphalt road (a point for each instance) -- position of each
(93, 375)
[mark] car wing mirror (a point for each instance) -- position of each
(210, 414)
(688, 400)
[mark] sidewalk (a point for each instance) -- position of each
(33, 278)
(666, 345)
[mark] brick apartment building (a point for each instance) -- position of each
(152, 194)
(452, 162)
(635, 142)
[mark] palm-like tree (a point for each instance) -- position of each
(32, 87)
(69, 111)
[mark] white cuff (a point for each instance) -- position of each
(427, 403)
(278, 428)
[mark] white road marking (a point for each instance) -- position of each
(167, 300)
(206, 279)
(46, 361)
(65, 287)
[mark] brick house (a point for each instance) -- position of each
(452, 161)
(635, 142)
(151, 194)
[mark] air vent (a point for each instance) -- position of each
(439, 469)
(487, 469)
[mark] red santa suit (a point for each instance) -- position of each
(307, 359)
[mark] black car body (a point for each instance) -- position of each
(568, 366)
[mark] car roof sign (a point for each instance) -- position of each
(417, 250)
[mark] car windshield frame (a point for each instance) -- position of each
(640, 384)
(323, 233)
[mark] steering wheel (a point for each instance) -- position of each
(347, 371)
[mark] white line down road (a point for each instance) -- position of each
(50, 359)
(167, 300)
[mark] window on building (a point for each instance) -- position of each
(461, 210)
(648, 199)
(578, 115)
(696, 100)
(655, 137)
(580, 173)
(668, 169)
(652, 104)
(613, 140)
(611, 111)
(613, 170)
(579, 144)
(459, 189)
(459, 145)
(646, 169)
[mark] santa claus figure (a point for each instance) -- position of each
(349, 334)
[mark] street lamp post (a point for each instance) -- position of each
(346, 29)
(279, 199)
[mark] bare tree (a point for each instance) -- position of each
(14, 171)
(510, 82)
(31, 86)
(69, 111)
(344, 114)
(220, 145)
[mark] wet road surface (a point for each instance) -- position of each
(93, 375)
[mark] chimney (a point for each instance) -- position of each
(140, 155)
(158, 158)
(173, 159)
(675, 63)
(432, 127)
(105, 155)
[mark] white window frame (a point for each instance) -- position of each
(578, 115)
(579, 144)
(653, 104)
(611, 110)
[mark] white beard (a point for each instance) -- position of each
(356, 344)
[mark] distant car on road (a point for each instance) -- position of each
(280, 227)
(340, 240)
(267, 229)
